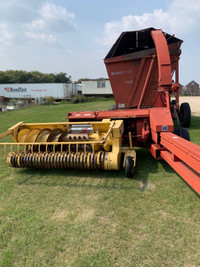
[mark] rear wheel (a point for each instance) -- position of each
(185, 115)
(129, 166)
(184, 133)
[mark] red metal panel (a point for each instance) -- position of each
(161, 120)
(120, 114)
(128, 79)
(164, 62)
(182, 149)
(82, 115)
(144, 89)
(136, 82)
(110, 114)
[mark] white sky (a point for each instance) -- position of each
(74, 36)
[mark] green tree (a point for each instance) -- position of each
(20, 76)
(4, 77)
(62, 78)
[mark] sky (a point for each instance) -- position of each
(74, 36)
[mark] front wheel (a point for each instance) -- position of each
(129, 167)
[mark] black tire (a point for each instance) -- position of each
(173, 102)
(184, 133)
(185, 115)
(129, 167)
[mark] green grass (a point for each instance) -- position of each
(82, 218)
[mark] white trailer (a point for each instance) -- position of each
(35, 90)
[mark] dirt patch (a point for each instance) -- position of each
(144, 186)
(60, 215)
(194, 102)
(81, 216)
(107, 221)
(85, 215)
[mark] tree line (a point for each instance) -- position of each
(21, 76)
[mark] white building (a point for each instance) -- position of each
(98, 87)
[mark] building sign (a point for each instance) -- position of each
(15, 90)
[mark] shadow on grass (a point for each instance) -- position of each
(169, 169)
(145, 166)
(76, 178)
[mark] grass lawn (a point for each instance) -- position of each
(87, 218)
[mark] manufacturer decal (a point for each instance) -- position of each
(164, 128)
(122, 72)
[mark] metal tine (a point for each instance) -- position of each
(5, 152)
